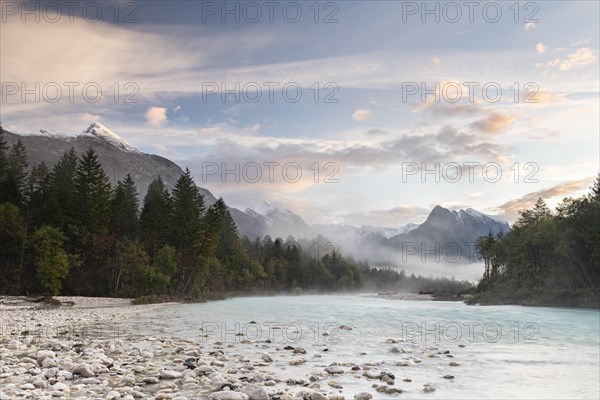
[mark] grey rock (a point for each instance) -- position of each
(84, 370)
(255, 392)
(228, 395)
(334, 370)
(309, 394)
(169, 374)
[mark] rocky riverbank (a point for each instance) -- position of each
(88, 352)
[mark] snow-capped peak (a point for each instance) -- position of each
(264, 208)
(479, 214)
(102, 132)
(385, 231)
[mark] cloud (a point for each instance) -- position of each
(395, 216)
(509, 210)
(544, 98)
(553, 63)
(156, 116)
(494, 122)
(177, 108)
(237, 147)
(541, 48)
(87, 117)
(530, 25)
(254, 128)
(376, 132)
(361, 115)
(476, 194)
(455, 110)
(163, 150)
(580, 58)
(435, 61)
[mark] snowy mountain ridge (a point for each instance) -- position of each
(102, 132)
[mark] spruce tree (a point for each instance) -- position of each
(92, 193)
(188, 209)
(124, 209)
(38, 191)
(16, 175)
(155, 217)
(13, 234)
(3, 165)
(186, 228)
(62, 194)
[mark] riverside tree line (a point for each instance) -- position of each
(547, 258)
(67, 230)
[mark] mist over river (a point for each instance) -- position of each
(460, 351)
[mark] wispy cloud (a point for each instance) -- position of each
(361, 115)
(509, 210)
(541, 48)
(494, 122)
(394, 217)
(156, 116)
(580, 58)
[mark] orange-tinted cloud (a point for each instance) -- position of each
(494, 122)
(509, 210)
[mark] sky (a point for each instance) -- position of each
(353, 112)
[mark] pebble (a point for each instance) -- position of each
(169, 374)
(255, 392)
(84, 370)
(309, 394)
(112, 395)
(228, 395)
(334, 370)
(427, 388)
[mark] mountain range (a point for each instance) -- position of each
(375, 243)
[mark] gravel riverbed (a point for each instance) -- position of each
(85, 351)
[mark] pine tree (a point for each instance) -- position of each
(186, 228)
(3, 165)
(13, 233)
(38, 191)
(188, 209)
(61, 202)
(539, 212)
(16, 175)
(124, 209)
(92, 193)
(155, 217)
(228, 247)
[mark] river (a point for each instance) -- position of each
(500, 351)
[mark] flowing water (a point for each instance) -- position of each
(502, 351)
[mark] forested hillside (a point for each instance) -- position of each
(67, 230)
(547, 258)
